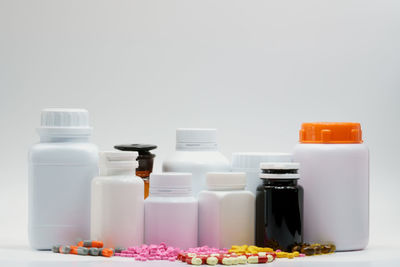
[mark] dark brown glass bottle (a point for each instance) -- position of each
(279, 207)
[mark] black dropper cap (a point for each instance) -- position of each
(142, 149)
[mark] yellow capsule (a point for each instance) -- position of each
(296, 253)
(281, 254)
(290, 255)
(235, 247)
(266, 250)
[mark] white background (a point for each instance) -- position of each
(253, 69)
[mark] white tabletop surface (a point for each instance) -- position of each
(374, 255)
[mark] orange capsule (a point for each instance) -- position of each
(74, 250)
(106, 252)
(91, 244)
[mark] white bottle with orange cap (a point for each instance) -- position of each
(335, 177)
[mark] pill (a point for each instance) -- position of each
(106, 252)
(119, 249)
(226, 261)
(196, 261)
(82, 251)
(56, 248)
(281, 254)
(308, 251)
(242, 259)
(91, 243)
(212, 260)
(252, 259)
(290, 255)
(270, 258)
(296, 253)
(65, 249)
(94, 251)
(74, 249)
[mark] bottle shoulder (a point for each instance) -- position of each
(170, 199)
(197, 158)
(43, 153)
(227, 193)
(118, 179)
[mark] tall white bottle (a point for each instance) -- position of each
(197, 153)
(61, 168)
(117, 213)
(335, 177)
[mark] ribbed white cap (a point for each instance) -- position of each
(171, 182)
(280, 166)
(196, 135)
(114, 161)
(64, 122)
(251, 160)
(225, 180)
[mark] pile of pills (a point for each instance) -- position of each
(301, 250)
(87, 247)
(226, 259)
(213, 256)
(314, 249)
(150, 252)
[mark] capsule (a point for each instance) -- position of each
(56, 248)
(94, 251)
(82, 251)
(91, 243)
(65, 249)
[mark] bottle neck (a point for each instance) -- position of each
(280, 182)
(64, 139)
(196, 146)
(171, 192)
(117, 172)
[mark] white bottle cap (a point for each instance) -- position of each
(111, 162)
(280, 170)
(65, 122)
(226, 180)
(196, 138)
(250, 161)
(170, 182)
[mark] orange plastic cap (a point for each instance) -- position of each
(330, 133)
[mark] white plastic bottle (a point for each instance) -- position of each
(249, 162)
(226, 211)
(117, 214)
(335, 177)
(196, 153)
(61, 167)
(171, 211)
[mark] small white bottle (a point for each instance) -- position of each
(335, 177)
(226, 211)
(61, 168)
(171, 211)
(196, 153)
(117, 205)
(249, 162)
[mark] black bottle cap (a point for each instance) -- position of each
(136, 147)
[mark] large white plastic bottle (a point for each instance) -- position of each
(61, 168)
(117, 214)
(226, 211)
(335, 177)
(197, 153)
